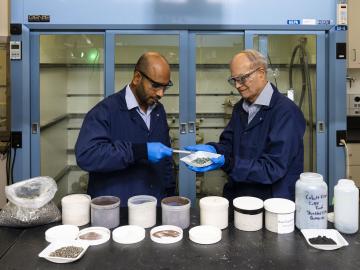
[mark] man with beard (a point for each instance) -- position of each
(262, 146)
(124, 140)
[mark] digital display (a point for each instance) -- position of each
(15, 46)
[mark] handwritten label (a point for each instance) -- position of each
(316, 209)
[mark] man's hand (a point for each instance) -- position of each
(157, 151)
(217, 163)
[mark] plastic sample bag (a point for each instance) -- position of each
(30, 203)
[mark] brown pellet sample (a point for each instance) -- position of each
(166, 233)
(67, 252)
(90, 236)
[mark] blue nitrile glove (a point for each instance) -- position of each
(201, 147)
(217, 163)
(157, 151)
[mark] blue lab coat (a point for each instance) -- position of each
(112, 147)
(265, 157)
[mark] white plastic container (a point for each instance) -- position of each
(248, 213)
(346, 206)
(176, 211)
(105, 212)
(311, 200)
(142, 211)
(76, 209)
(61, 233)
(214, 211)
(279, 215)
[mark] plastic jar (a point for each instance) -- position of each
(346, 206)
(214, 211)
(176, 211)
(248, 213)
(142, 211)
(76, 209)
(311, 200)
(105, 212)
(279, 215)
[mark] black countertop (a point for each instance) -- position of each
(237, 250)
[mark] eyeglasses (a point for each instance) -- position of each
(156, 85)
(241, 79)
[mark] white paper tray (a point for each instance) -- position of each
(56, 245)
(189, 159)
(329, 233)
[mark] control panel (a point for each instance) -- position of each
(341, 14)
(354, 104)
(15, 50)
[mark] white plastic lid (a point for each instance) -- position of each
(248, 203)
(129, 234)
(279, 206)
(141, 201)
(205, 234)
(61, 233)
(166, 234)
(346, 183)
(75, 199)
(94, 235)
(311, 177)
(213, 202)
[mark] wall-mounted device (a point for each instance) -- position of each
(15, 50)
(353, 104)
(341, 14)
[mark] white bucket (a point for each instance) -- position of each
(248, 213)
(214, 211)
(76, 209)
(142, 211)
(279, 215)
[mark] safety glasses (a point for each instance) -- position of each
(156, 85)
(241, 79)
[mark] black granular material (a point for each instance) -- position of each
(322, 240)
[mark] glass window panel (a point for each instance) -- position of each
(71, 83)
(214, 97)
(296, 55)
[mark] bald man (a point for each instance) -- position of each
(262, 146)
(124, 140)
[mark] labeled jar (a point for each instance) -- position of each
(248, 213)
(176, 211)
(346, 206)
(76, 209)
(214, 211)
(311, 200)
(142, 211)
(279, 215)
(105, 212)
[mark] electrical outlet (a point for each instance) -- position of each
(16, 139)
(340, 135)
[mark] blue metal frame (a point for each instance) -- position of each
(321, 137)
(194, 15)
(336, 109)
(35, 103)
(20, 106)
